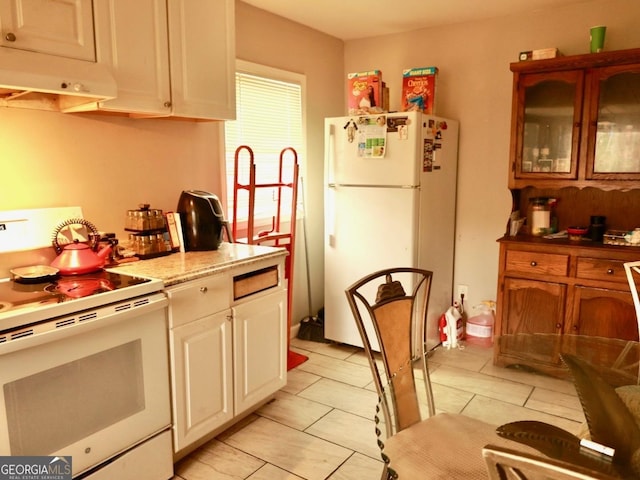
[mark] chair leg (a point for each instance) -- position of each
(385, 474)
(388, 474)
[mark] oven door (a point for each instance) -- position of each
(91, 390)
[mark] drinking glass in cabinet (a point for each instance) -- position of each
(548, 121)
(617, 148)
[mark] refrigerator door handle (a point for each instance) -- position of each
(330, 149)
(330, 215)
(330, 209)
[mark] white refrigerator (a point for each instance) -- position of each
(390, 201)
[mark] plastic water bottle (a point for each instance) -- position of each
(480, 324)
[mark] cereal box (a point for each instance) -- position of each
(364, 92)
(418, 89)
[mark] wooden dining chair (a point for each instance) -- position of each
(507, 464)
(391, 306)
(632, 270)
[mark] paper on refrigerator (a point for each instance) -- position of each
(372, 136)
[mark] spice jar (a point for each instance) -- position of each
(540, 215)
(144, 219)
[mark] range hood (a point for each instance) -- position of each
(47, 82)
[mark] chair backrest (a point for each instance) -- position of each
(632, 270)
(506, 464)
(391, 304)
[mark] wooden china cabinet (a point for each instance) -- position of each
(575, 138)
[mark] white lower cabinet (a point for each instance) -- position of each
(260, 348)
(202, 374)
(228, 346)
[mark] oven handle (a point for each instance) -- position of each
(93, 319)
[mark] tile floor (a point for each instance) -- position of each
(320, 426)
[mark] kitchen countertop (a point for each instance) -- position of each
(183, 267)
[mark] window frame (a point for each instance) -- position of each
(276, 74)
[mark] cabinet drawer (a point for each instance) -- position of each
(537, 263)
(601, 269)
(254, 282)
(195, 299)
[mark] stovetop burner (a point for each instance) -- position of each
(67, 294)
(63, 289)
(79, 287)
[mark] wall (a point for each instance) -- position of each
(474, 86)
(105, 164)
(273, 41)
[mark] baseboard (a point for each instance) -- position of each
(293, 331)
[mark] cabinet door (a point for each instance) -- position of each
(202, 377)
(614, 124)
(132, 39)
(603, 313)
(63, 27)
(548, 109)
(531, 306)
(202, 52)
(260, 348)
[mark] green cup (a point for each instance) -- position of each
(597, 38)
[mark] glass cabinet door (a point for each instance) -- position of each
(614, 148)
(549, 111)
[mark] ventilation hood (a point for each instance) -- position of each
(47, 82)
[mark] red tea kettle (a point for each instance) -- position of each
(77, 258)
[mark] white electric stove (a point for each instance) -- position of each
(83, 367)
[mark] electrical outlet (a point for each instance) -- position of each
(462, 290)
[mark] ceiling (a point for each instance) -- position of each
(352, 19)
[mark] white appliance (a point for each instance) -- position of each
(84, 369)
(390, 201)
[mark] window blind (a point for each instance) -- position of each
(268, 120)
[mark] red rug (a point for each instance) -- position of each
(294, 359)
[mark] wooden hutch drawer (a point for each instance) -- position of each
(537, 263)
(601, 269)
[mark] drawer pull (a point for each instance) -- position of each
(558, 326)
(204, 289)
(534, 263)
(610, 271)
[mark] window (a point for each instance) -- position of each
(268, 120)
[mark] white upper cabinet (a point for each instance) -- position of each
(132, 39)
(169, 57)
(62, 27)
(202, 52)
